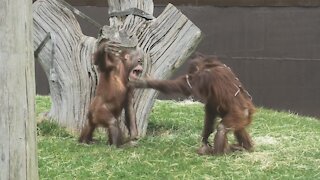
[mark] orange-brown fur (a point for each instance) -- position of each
(223, 95)
(112, 95)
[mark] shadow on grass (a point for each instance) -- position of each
(47, 128)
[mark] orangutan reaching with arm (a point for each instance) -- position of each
(223, 95)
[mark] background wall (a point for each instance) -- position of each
(273, 49)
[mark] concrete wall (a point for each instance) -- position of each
(274, 50)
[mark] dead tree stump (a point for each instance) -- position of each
(166, 40)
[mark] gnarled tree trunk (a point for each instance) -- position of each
(72, 77)
(166, 40)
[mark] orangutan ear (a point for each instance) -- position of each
(127, 56)
(197, 68)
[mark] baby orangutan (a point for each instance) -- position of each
(223, 95)
(115, 65)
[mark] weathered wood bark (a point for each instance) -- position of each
(167, 41)
(72, 77)
(18, 159)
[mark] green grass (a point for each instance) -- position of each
(287, 146)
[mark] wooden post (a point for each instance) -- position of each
(18, 158)
(166, 40)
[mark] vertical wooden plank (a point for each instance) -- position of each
(17, 92)
(4, 116)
